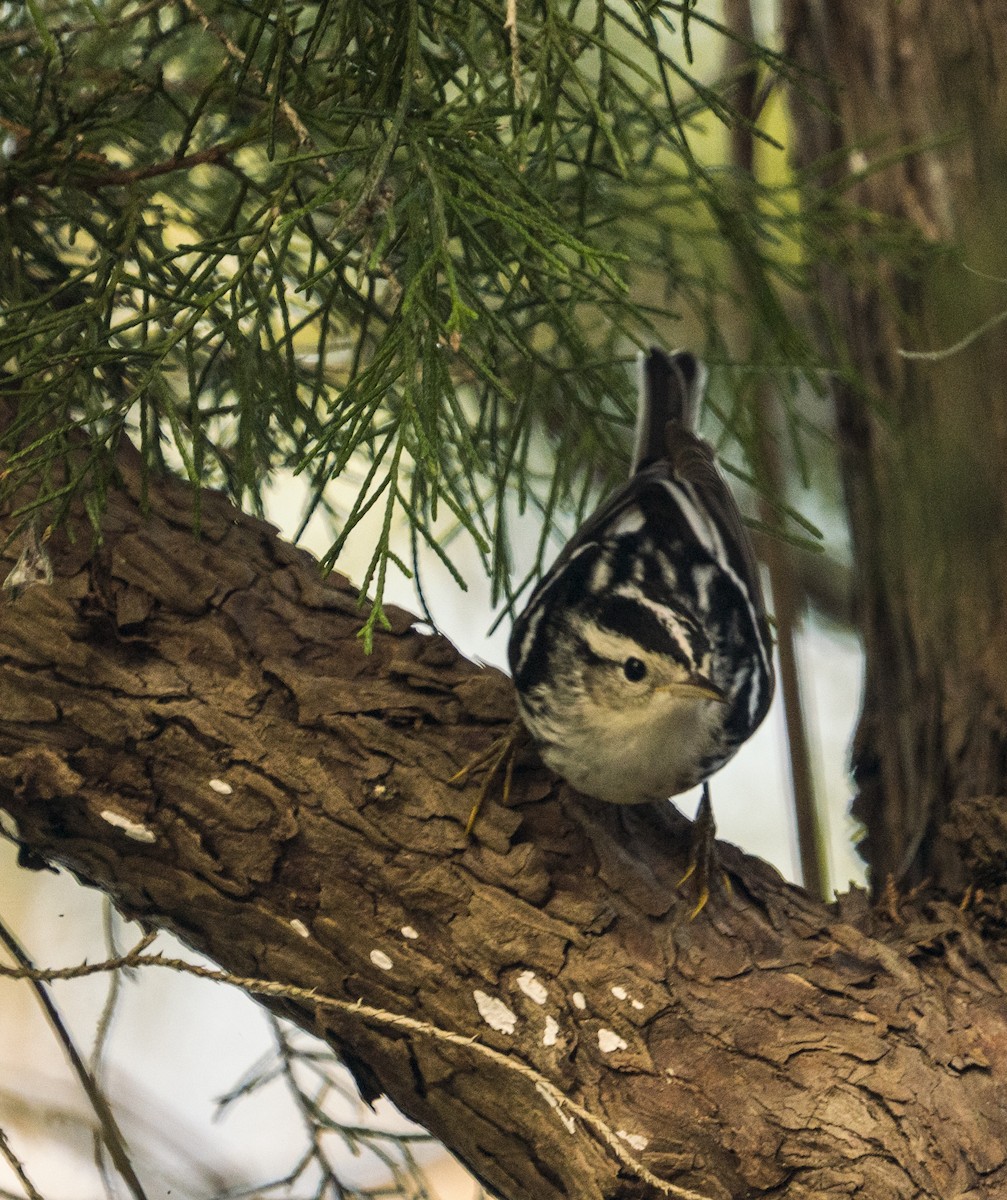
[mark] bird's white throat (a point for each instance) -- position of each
(632, 755)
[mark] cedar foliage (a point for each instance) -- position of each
(401, 239)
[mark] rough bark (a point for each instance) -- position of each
(924, 446)
(194, 728)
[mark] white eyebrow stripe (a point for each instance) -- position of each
(612, 647)
(616, 647)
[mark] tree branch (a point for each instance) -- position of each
(194, 727)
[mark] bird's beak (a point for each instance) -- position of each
(696, 685)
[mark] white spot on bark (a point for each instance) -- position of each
(494, 1012)
(298, 926)
(378, 791)
(220, 786)
(381, 959)
(637, 1003)
(8, 825)
(550, 1099)
(609, 1040)
(551, 1035)
(578, 1000)
(135, 830)
(407, 931)
(636, 1140)
(620, 993)
(533, 988)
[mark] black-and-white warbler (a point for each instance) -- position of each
(643, 659)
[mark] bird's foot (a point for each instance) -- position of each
(703, 868)
(501, 752)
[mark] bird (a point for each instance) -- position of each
(643, 659)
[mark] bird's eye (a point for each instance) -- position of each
(634, 670)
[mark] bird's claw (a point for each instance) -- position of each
(503, 749)
(703, 855)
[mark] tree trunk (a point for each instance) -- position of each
(194, 728)
(924, 447)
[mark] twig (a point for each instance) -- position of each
(96, 1061)
(110, 1130)
(122, 177)
(510, 24)
(306, 1108)
(787, 599)
(17, 1167)
(787, 611)
(950, 351)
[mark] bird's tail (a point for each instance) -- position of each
(671, 388)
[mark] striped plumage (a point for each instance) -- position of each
(643, 659)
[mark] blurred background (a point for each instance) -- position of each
(214, 1097)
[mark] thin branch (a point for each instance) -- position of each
(788, 606)
(398, 1159)
(17, 1167)
(510, 25)
(305, 1107)
(110, 1130)
(122, 177)
(96, 1062)
(956, 348)
(787, 599)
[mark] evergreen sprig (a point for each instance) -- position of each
(398, 233)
